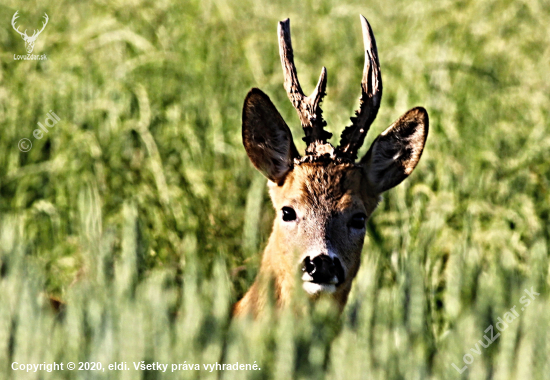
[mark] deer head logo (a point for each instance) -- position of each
(29, 41)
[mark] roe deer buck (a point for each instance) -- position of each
(324, 198)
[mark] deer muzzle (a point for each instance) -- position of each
(322, 274)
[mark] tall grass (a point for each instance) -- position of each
(141, 211)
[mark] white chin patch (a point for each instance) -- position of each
(313, 288)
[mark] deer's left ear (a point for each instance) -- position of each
(395, 153)
(266, 137)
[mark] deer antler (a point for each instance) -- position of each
(24, 34)
(43, 26)
(15, 17)
(371, 94)
(308, 107)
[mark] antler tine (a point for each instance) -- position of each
(44, 23)
(371, 94)
(308, 107)
(15, 17)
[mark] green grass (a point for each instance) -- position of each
(140, 207)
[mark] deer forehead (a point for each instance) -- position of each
(324, 189)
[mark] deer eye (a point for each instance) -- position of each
(289, 214)
(358, 221)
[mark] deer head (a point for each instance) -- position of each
(29, 41)
(324, 198)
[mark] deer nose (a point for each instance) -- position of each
(323, 269)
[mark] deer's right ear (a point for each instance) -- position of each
(266, 137)
(395, 153)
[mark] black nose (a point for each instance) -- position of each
(323, 269)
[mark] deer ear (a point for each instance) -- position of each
(266, 137)
(395, 153)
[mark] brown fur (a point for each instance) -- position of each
(324, 195)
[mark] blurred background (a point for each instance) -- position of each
(141, 211)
